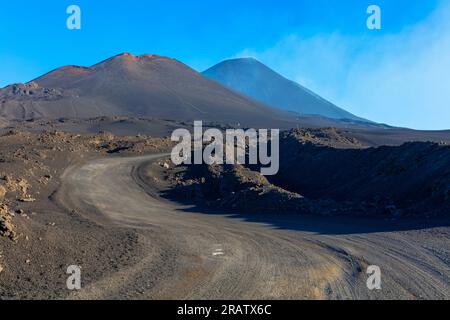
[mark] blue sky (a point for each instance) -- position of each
(325, 45)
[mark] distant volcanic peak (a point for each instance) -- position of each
(237, 61)
(126, 56)
(258, 81)
(236, 66)
(243, 59)
(155, 56)
(128, 60)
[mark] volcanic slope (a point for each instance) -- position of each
(129, 85)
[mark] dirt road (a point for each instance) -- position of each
(195, 255)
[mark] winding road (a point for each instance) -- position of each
(194, 255)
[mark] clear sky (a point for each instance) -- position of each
(396, 75)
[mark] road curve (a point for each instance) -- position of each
(201, 256)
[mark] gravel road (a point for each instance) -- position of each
(195, 255)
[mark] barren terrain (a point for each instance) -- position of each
(263, 256)
(85, 180)
(108, 204)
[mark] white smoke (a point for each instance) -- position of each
(402, 79)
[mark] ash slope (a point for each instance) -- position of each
(410, 179)
(326, 172)
(256, 80)
(129, 85)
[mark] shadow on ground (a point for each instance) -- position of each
(326, 225)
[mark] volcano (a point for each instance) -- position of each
(254, 79)
(129, 85)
